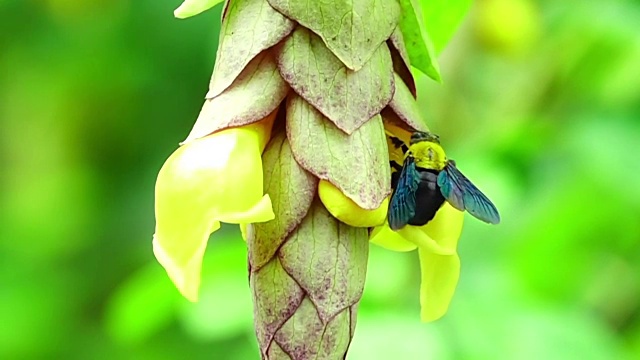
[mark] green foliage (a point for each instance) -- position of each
(442, 18)
(93, 100)
(141, 306)
(419, 46)
(427, 26)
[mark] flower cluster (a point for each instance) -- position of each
(292, 143)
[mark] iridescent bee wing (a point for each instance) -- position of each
(463, 195)
(403, 201)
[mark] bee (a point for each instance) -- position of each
(426, 180)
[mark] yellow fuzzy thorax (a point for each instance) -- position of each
(428, 155)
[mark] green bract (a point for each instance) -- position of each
(406, 107)
(291, 189)
(248, 28)
(259, 83)
(314, 317)
(401, 62)
(351, 29)
(348, 98)
(358, 164)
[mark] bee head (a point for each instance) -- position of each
(426, 150)
(420, 136)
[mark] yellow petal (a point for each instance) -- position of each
(260, 212)
(194, 7)
(347, 211)
(185, 276)
(446, 227)
(440, 235)
(416, 235)
(389, 239)
(205, 181)
(439, 280)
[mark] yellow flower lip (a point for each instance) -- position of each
(439, 236)
(446, 226)
(391, 240)
(217, 178)
(439, 262)
(346, 210)
(408, 238)
(440, 276)
(183, 275)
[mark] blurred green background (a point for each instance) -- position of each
(540, 107)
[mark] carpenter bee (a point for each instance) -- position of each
(426, 179)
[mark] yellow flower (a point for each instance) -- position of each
(333, 91)
(440, 265)
(346, 210)
(217, 178)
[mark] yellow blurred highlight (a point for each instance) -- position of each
(507, 26)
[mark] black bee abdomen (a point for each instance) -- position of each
(429, 198)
